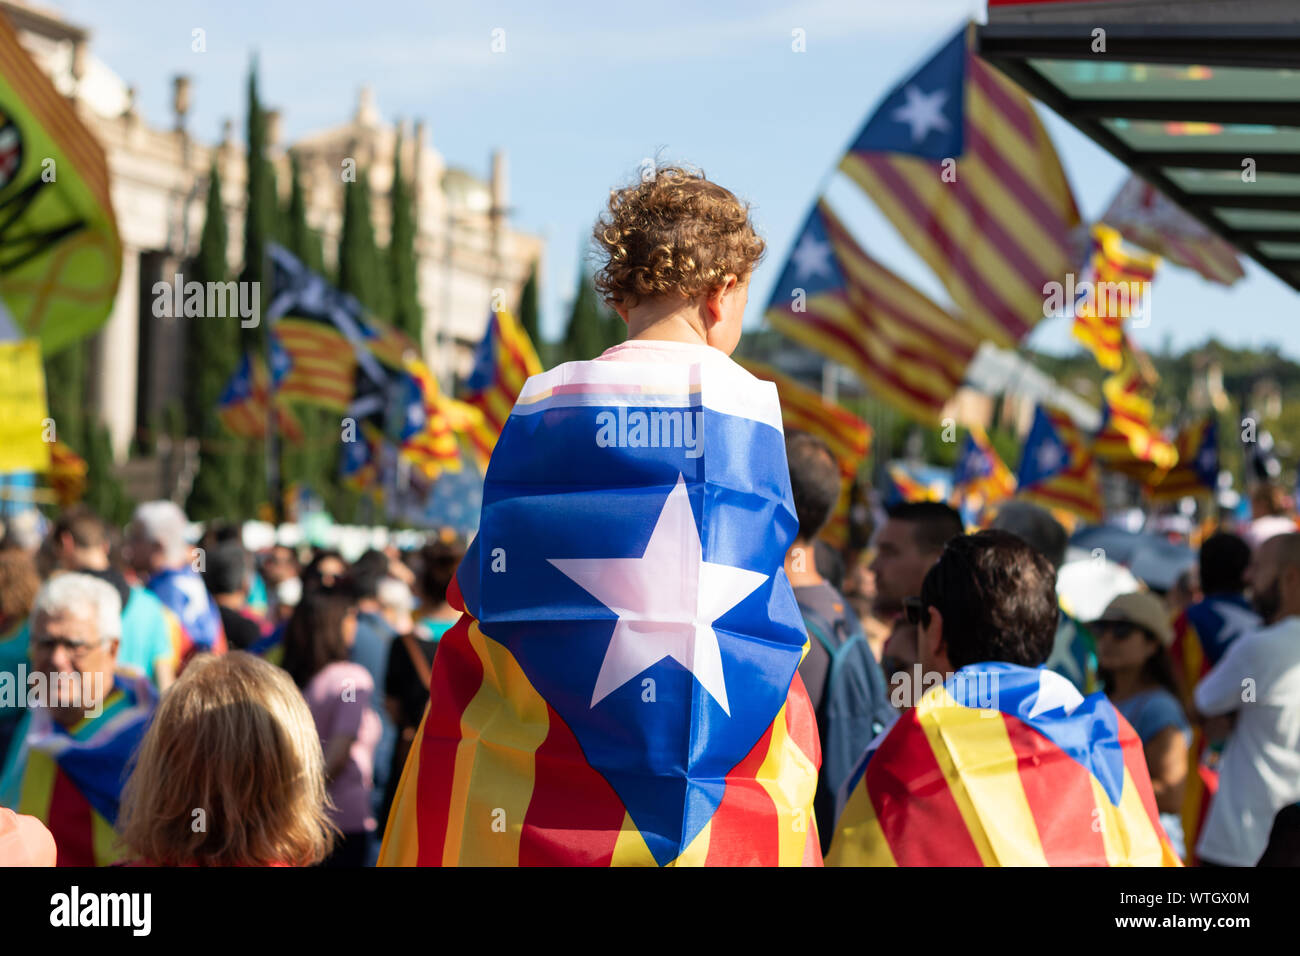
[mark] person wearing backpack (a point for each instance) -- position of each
(843, 679)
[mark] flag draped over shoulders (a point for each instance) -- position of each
(622, 688)
(1003, 765)
(71, 778)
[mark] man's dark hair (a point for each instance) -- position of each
(997, 595)
(86, 528)
(1224, 557)
(226, 568)
(366, 573)
(933, 522)
(814, 481)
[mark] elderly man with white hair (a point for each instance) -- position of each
(67, 765)
(160, 555)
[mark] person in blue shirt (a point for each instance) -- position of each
(1133, 636)
(80, 542)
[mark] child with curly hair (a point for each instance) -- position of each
(679, 253)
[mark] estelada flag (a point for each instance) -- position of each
(847, 436)
(622, 686)
(1003, 765)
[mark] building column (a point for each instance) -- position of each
(116, 381)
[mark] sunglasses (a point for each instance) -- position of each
(1120, 631)
(917, 613)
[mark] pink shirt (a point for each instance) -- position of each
(653, 350)
(339, 700)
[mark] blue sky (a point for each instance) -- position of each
(582, 94)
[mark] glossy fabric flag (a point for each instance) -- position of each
(71, 778)
(957, 160)
(244, 402)
(1197, 471)
(907, 487)
(980, 478)
(1003, 765)
(1116, 289)
(1057, 469)
(60, 256)
(432, 448)
(622, 686)
(1128, 440)
(835, 299)
(1147, 218)
(847, 436)
(503, 361)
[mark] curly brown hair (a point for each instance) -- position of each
(672, 233)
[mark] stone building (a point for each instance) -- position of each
(465, 245)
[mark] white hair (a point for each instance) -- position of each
(393, 593)
(82, 594)
(163, 523)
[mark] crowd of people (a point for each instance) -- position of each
(163, 703)
(177, 704)
(209, 705)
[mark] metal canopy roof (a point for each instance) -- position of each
(1182, 105)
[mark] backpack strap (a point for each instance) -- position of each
(422, 669)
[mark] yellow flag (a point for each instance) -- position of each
(22, 408)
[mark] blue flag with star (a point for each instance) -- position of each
(629, 568)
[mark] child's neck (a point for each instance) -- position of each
(666, 322)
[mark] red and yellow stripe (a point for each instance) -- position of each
(910, 352)
(496, 778)
(961, 786)
(324, 364)
(999, 230)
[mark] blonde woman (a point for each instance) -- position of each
(230, 773)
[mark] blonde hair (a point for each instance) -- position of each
(672, 233)
(233, 738)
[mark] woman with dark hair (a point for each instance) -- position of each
(325, 570)
(1133, 637)
(317, 644)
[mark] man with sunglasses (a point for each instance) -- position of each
(1257, 682)
(1001, 762)
(86, 718)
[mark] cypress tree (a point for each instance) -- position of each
(259, 210)
(361, 270)
(529, 315)
(407, 314)
(212, 352)
(311, 463)
(587, 333)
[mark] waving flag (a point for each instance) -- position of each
(833, 298)
(980, 478)
(1128, 440)
(1197, 471)
(503, 361)
(1004, 765)
(1148, 219)
(71, 778)
(907, 487)
(60, 255)
(1118, 281)
(1057, 470)
(432, 447)
(67, 476)
(847, 436)
(957, 160)
(242, 406)
(622, 686)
